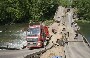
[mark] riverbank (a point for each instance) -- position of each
(84, 28)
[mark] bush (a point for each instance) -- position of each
(48, 22)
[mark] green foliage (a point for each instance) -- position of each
(66, 3)
(83, 7)
(83, 21)
(10, 11)
(16, 11)
(48, 22)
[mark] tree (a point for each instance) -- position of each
(83, 7)
(65, 3)
(16, 11)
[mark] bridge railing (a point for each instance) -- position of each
(85, 39)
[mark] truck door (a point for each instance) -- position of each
(46, 31)
(43, 35)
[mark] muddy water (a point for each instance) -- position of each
(12, 32)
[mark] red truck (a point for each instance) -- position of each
(36, 36)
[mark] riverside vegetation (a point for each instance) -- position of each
(18, 11)
(21, 11)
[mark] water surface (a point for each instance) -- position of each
(12, 32)
(85, 29)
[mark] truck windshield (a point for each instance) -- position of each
(33, 31)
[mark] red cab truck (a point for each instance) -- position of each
(36, 36)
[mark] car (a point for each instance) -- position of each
(18, 44)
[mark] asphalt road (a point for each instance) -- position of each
(21, 53)
(76, 48)
(16, 53)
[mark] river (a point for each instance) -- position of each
(11, 32)
(85, 29)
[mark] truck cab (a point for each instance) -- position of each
(35, 36)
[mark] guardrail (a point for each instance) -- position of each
(85, 39)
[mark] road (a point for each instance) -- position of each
(16, 53)
(76, 48)
(20, 53)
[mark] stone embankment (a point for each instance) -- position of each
(56, 50)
